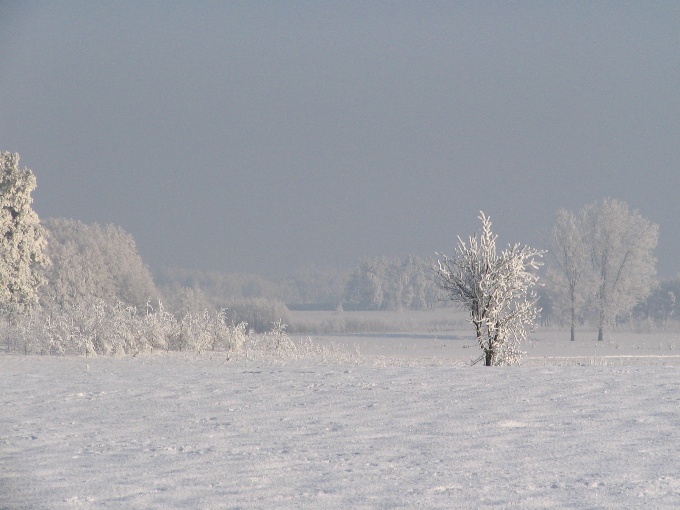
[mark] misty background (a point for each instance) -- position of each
(268, 137)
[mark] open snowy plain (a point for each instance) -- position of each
(406, 425)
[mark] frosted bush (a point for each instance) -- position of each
(332, 352)
(258, 313)
(277, 340)
(197, 331)
(58, 335)
(158, 327)
(101, 327)
(228, 337)
(239, 336)
(28, 333)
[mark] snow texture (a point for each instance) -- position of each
(186, 430)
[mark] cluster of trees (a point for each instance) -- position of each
(66, 286)
(381, 283)
(602, 263)
(212, 288)
(662, 305)
(91, 261)
(601, 267)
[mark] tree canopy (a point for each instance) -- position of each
(91, 261)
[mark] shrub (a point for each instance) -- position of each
(258, 313)
(101, 327)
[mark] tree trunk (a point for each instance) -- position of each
(573, 313)
(603, 302)
(489, 352)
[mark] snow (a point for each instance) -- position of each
(417, 429)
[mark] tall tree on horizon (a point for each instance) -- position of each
(624, 268)
(567, 276)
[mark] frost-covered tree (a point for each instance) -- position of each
(414, 283)
(496, 289)
(22, 242)
(621, 245)
(366, 287)
(570, 266)
(91, 261)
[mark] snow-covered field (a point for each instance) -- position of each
(578, 426)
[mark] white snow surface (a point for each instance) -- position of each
(211, 431)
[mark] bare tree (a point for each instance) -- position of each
(568, 274)
(495, 289)
(624, 268)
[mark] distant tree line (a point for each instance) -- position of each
(662, 305)
(377, 283)
(381, 283)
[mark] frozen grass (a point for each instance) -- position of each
(406, 427)
(546, 347)
(352, 322)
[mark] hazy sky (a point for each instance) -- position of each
(271, 136)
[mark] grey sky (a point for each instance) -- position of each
(266, 137)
